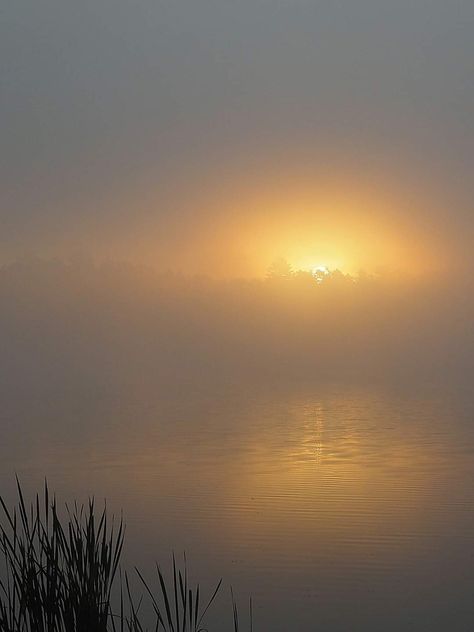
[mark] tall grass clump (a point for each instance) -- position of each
(57, 578)
(179, 607)
(63, 575)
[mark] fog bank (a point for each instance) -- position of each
(69, 325)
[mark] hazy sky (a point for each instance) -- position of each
(145, 128)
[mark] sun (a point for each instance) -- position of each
(320, 272)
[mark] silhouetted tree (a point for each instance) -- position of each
(280, 269)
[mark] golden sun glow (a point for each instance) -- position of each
(321, 227)
(239, 225)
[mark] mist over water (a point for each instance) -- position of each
(311, 443)
(73, 323)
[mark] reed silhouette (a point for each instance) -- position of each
(64, 575)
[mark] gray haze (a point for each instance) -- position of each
(102, 101)
(308, 439)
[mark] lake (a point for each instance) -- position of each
(336, 506)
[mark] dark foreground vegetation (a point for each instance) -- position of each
(63, 574)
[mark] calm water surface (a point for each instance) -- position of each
(338, 507)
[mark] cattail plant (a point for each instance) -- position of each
(57, 578)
